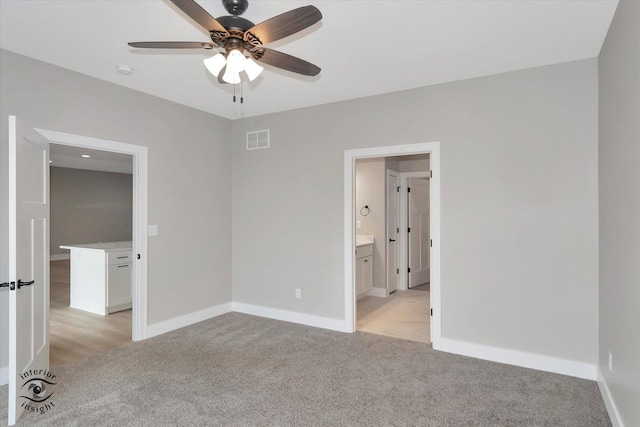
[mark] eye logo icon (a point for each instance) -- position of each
(37, 390)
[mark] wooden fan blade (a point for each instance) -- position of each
(201, 16)
(283, 25)
(172, 45)
(284, 61)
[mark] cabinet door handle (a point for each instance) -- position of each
(392, 240)
(124, 265)
(366, 260)
(123, 257)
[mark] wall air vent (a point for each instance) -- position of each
(258, 139)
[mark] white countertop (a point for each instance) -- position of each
(106, 246)
(364, 240)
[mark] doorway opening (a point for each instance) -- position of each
(91, 262)
(392, 231)
(137, 267)
(392, 246)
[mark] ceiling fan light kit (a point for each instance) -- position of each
(252, 69)
(238, 36)
(215, 64)
(236, 62)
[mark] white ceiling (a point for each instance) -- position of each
(363, 47)
(64, 156)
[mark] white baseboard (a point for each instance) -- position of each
(518, 358)
(59, 257)
(116, 308)
(378, 292)
(291, 316)
(612, 409)
(4, 375)
(187, 319)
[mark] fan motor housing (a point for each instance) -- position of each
(235, 22)
(235, 7)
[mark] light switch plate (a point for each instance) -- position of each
(358, 224)
(152, 230)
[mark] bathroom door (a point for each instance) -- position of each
(28, 279)
(419, 233)
(393, 203)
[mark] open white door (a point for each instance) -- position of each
(393, 203)
(419, 235)
(28, 267)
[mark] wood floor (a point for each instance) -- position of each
(403, 314)
(77, 334)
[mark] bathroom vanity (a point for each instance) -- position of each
(364, 264)
(101, 276)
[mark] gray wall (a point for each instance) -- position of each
(619, 180)
(370, 182)
(417, 163)
(189, 175)
(519, 204)
(89, 207)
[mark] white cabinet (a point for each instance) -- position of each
(101, 277)
(364, 269)
(118, 280)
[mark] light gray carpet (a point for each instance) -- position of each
(239, 370)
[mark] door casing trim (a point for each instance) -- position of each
(140, 215)
(350, 157)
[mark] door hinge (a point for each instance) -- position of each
(397, 189)
(409, 269)
(409, 230)
(432, 312)
(10, 285)
(408, 189)
(431, 242)
(397, 271)
(430, 174)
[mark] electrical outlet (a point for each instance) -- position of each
(298, 293)
(610, 362)
(358, 224)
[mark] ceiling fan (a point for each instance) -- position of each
(237, 36)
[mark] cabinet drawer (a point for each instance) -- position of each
(363, 251)
(119, 257)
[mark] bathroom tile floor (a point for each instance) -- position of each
(403, 314)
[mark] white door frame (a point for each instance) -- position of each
(140, 208)
(404, 225)
(350, 157)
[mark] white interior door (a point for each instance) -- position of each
(419, 236)
(393, 198)
(28, 262)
